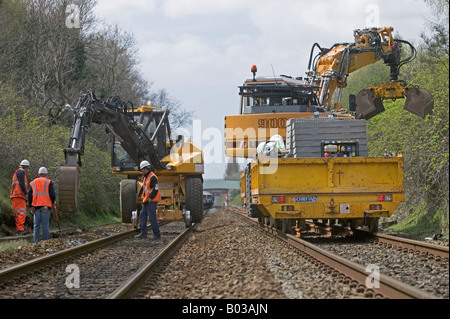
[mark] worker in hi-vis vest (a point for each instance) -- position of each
(18, 195)
(41, 198)
(150, 198)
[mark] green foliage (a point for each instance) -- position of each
(424, 143)
(419, 223)
(99, 195)
(43, 66)
(23, 134)
(236, 201)
(374, 74)
(9, 245)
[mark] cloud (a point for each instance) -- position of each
(183, 8)
(201, 50)
(121, 11)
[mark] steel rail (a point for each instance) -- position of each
(130, 287)
(437, 250)
(32, 265)
(388, 287)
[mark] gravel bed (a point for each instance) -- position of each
(101, 271)
(416, 269)
(225, 257)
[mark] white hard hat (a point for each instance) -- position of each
(279, 143)
(43, 170)
(24, 163)
(144, 164)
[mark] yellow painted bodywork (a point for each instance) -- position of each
(330, 62)
(244, 132)
(184, 158)
(390, 90)
(314, 185)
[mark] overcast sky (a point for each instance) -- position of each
(200, 51)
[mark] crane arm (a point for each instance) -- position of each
(115, 115)
(121, 123)
(331, 68)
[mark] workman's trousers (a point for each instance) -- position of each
(41, 216)
(20, 211)
(149, 211)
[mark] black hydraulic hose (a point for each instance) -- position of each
(344, 64)
(411, 57)
(311, 54)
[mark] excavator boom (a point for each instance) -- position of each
(119, 120)
(330, 68)
(138, 134)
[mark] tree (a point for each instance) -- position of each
(233, 171)
(46, 64)
(179, 117)
(437, 44)
(45, 57)
(113, 66)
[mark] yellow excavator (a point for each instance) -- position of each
(309, 159)
(268, 102)
(137, 134)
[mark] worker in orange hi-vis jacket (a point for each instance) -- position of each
(41, 199)
(150, 198)
(18, 195)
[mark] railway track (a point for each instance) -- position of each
(415, 263)
(411, 245)
(92, 270)
(224, 257)
(135, 283)
(347, 262)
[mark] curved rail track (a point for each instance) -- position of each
(356, 274)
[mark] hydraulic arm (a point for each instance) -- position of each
(119, 119)
(330, 68)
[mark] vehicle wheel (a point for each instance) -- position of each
(127, 199)
(352, 223)
(252, 210)
(275, 223)
(373, 225)
(261, 220)
(286, 226)
(187, 218)
(194, 197)
(248, 191)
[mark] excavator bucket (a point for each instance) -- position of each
(367, 105)
(418, 101)
(68, 187)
